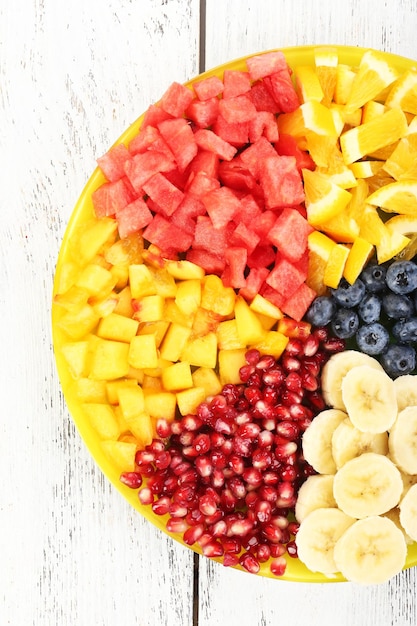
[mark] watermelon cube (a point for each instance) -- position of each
(264, 124)
(236, 176)
(285, 277)
(133, 217)
(262, 99)
(209, 238)
(281, 182)
(272, 295)
(180, 138)
(297, 305)
(254, 155)
(254, 282)
(149, 138)
(111, 197)
(234, 272)
(249, 210)
(208, 87)
(165, 195)
(233, 132)
(176, 99)
(266, 64)
(235, 83)
(203, 112)
(205, 161)
(141, 167)
(208, 140)
(186, 214)
(221, 205)
(153, 115)
(199, 184)
(244, 237)
(237, 110)
(262, 256)
(112, 163)
(287, 146)
(210, 262)
(282, 90)
(166, 235)
(264, 223)
(289, 234)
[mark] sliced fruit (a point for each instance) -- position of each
(398, 197)
(359, 254)
(315, 493)
(324, 199)
(406, 391)
(403, 440)
(403, 93)
(408, 512)
(317, 440)
(336, 265)
(373, 75)
(348, 442)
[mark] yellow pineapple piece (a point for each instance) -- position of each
(136, 374)
(113, 386)
(205, 321)
(174, 315)
(96, 280)
(227, 336)
(158, 329)
(201, 351)
(126, 251)
(184, 270)
(262, 306)
(207, 378)
(174, 341)
(79, 323)
(149, 308)
(143, 353)
(359, 254)
(109, 359)
(103, 306)
(373, 76)
(230, 362)
(188, 400)
(125, 434)
(73, 299)
(102, 419)
(177, 376)
(151, 384)
(164, 282)
(249, 326)
(378, 133)
(91, 238)
(131, 400)
(141, 281)
(216, 297)
(121, 454)
(161, 404)
(66, 276)
(124, 302)
(335, 265)
(308, 83)
(76, 355)
(88, 390)
(324, 198)
(188, 296)
(117, 327)
(273, 343)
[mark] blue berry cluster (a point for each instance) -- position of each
(377, 314)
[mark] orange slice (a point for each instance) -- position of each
(379, 132)
(398, 197)
(402, 162)
(343, 228)
(324, 199)
(319, 249)
(388, 243)
(359, 254)
(345, 76)
(335, 265)
(405, 225)
(326, 60)
(365, 169)
(372, 109)
(373, 76)
(403, 93)
(308, 83)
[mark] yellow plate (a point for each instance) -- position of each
(82, 213)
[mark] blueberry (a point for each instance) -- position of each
(402, 277)
(373, 277)
(397, 306)
(321, 311)
(372, 338)
(345, 323)
(369, 309)
(405, 331)
(347, 295)
(398, 360)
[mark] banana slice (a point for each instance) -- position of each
(336, 369)
(371, 551)
(408, 512)
(348, 442)
(406, 390)
(315, 493)
(394, 516)
(408, 481)
(402, 440)
(370, 399)
(370, 484)
(317, 440)
(317, 536)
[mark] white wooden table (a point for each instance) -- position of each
(73, 76)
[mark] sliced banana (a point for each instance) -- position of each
(317, 440)
(408, 481)
(370, 484)
(315, 493)
(371, 551)
(394, 516)
(336, 369)
(348, 442)
(406, 390)
(402, 441)
(408, 512)
(317, 536)
(370, 399)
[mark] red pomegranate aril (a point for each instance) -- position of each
(232, 545)
(266, 362)
(274, 377)
(253, 394)
(270, 478)
(265, 439)
(186, 439)
(263, 511)
(191, 422)
(210, 520)
(252, 356)
(223, 426)
(236, 463)
(289, 473)
(277, 549)
(231, 393)
(311, 345)
(288, 398)
(163, 459)
(230, 560)
(288, 430)
(218, 529)
(156, 484)
(283, 451)
(204, 466)
(241, 447)
(213, 549)
(292, 549)
(237, 487)
(163, 428)
(179, 467)
(290, 363)
(251, 542)
(242, 418)
(227, 447)
(263, 552)
(294, 347)
(227, 500)
(176, 525)
(195, 517)
(145, 496)
(184, 494)
(217, 479)
(315, 399)
(170, 485)
(311, 366)
(304, 423)
(193, 534)
(239, 527)
(189, 476)
(161, 506)
(245, 372)
(261, 458)
(268, 493)
(293, 527)
(176, 427)
(322, 334)
(280, 520)
(278, 566)
(131, 479)
(309, 382)
(334, 344)
(207, 504)
(254, 380)
(272, 533)
(299, 412)
(269, 423)
(177, 510)
(249, 563)
(144, 457)
(216, 440)
(251, 499)
(252, 476)
(271, 395)
(202, 443)
(249, 430)
(294, 383)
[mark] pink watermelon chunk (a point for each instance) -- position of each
(262, 256)
(287, 146)
(244, 237)
(180, 138)
(153, 115)
(237, 110)
(166, 235)
(211, 263)
(281, 182)
(208, 87)
(289, 234)
(110, 198)
(112, 162)
(207, 140)
(235, 175)
(209, 238)
(221, 205)
(266, 64)
(235, 133)
(272, 295)
(200, 184)
(254, 155)
(264, 124)
(166, 195)
(264, 223)
(234, 272)
(186, 214)
(285, 277)
(205, 161)
(203, 112)
(254, 282)
(133, 217)
(150, 139)
(235, 83)
(282, 90)
(297, 305)
(262, 99)
(176, 99)
(141, 167)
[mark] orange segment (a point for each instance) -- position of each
(359, 254)
(402, 162)
(324, 199)
(403, 93)
(375, 134)
(326, 61)
(319, 250)
(405, 225)
(335, 265)
(308, 84)
(373, 76)
(398, 197)
(365, 169)
(345, 76)
(311, 115)
(372, 109)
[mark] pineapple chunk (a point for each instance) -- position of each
(230, 362)
(141, 281)
(149, 309)
(201, 351)
(161, 404)
(121, 454)
(79, 323)
(188, 400)
(158, 328)
(117, 327)
(249, 326)
(184, 270)
(227, 336)
(102, 419)
(93, 237)
(273, 343)
(174, 341)
(188, 296)
(177, 376)
(164, 282)
(207, 378)
(87, 390)
(72, 299)
(143, 352)
(216, 297)
(113, 387)
(96, 280)
(76, 355)
(109, 360)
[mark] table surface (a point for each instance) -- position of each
(73, 76)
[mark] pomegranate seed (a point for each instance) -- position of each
(289, 473)
(176, 427)
(216, 440)
(268, 493)
(334, 344)
(131, 479)
(249, 563)
(272, 533)
(263, 511)
(207, 504)
(170, 485)
(288, 397)
(161, 506)
(311, 365)
(237, 487)
(230, 560)
(217, 479)
(204, 413)
(315, 399)
(293, 527)
(244, 417)
(266, 362)
(189, 476)
(251, 499)
(163, 428)
(274, 376)
(231, 393)
(204, 466)
(184, 494)
(261, 458)
(241, 447)
(253, 394)
(202, 443)
(278, 566)
(299, 411)
(283, 451)
(277, 549)
(252, 476)
(176, 525)
(245, 372)
(271, 395)
(213, 549)
(239, 527)
(263, 553)
(191, 422)
(265, 439)
(287, 429)
(195, 517)
(309, 382)
(232, 545)
(270, 478)
(211, 520)
(177, 510)
(311, 345)
(237, 464)
(294, 383)
(292, 549)
(254, 380)
(321, 333)
(290, 363)
(219, 528)
(252, 356)
(193, 534)
(249, 430)
(282, 412)
(228, 500)
(295, 347)
(144, 457)
(163, 459)
(186, 438)
(145, 496)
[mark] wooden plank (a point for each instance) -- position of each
(73, 77)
